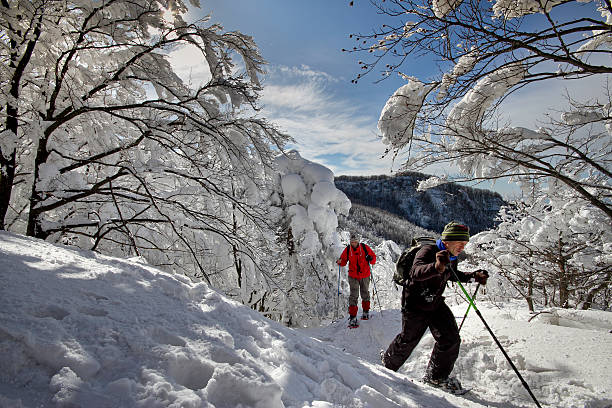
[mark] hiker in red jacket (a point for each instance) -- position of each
(359, 258)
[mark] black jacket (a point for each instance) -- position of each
(426, 284)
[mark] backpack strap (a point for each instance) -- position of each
(423, 241)
(363, 245)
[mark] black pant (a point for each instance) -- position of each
(443, 327)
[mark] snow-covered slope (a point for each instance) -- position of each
(564, 366)
(82, 330)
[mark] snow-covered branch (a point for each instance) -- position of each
(488, 54)
(122, 154)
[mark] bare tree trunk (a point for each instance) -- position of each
(238, 265)
(290, 242)
(564, 281)
(563, 291)
(530, 292)
(588, 302)
(7, 176)
(262, 307)
(563, 288)
(237, 260)
(8, 159)
(34, 228)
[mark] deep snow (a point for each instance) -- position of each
(78, 329)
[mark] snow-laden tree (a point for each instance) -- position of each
(489, 49)
(104, 145)
(306, 206)
(553, 250)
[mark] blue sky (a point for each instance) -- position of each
(308, 91)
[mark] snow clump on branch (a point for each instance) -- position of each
(441, 8)
(519, 8)
(431, 183)
(465, 64)
(601, 38)
(398, 117)
(581, 117)
(473, 105)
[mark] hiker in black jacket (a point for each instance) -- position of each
(423, 307)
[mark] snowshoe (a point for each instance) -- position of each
(365, 315)
(353, 322)
(450, 385)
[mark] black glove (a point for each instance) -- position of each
(368, 258)
(481, 276)
(442, 258)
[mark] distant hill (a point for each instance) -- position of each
(430, 209)
(376, 225)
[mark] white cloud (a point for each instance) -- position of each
(304, 71)
(328, 129)
(299, 97)
(528, 106)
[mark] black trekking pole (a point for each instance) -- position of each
(376, 291)
(498, 343)
(469, 306)
(338, 297)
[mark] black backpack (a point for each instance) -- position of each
(404, 263)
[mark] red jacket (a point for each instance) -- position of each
(356, 258)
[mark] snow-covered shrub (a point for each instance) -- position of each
(307, 207)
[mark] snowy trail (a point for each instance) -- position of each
(78, 329)
(565, 366)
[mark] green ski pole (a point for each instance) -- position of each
(469, 306)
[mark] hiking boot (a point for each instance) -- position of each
(365, 315)
(450, 384)
(353, 322)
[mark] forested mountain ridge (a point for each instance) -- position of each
(430, 209)
(376, 225)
